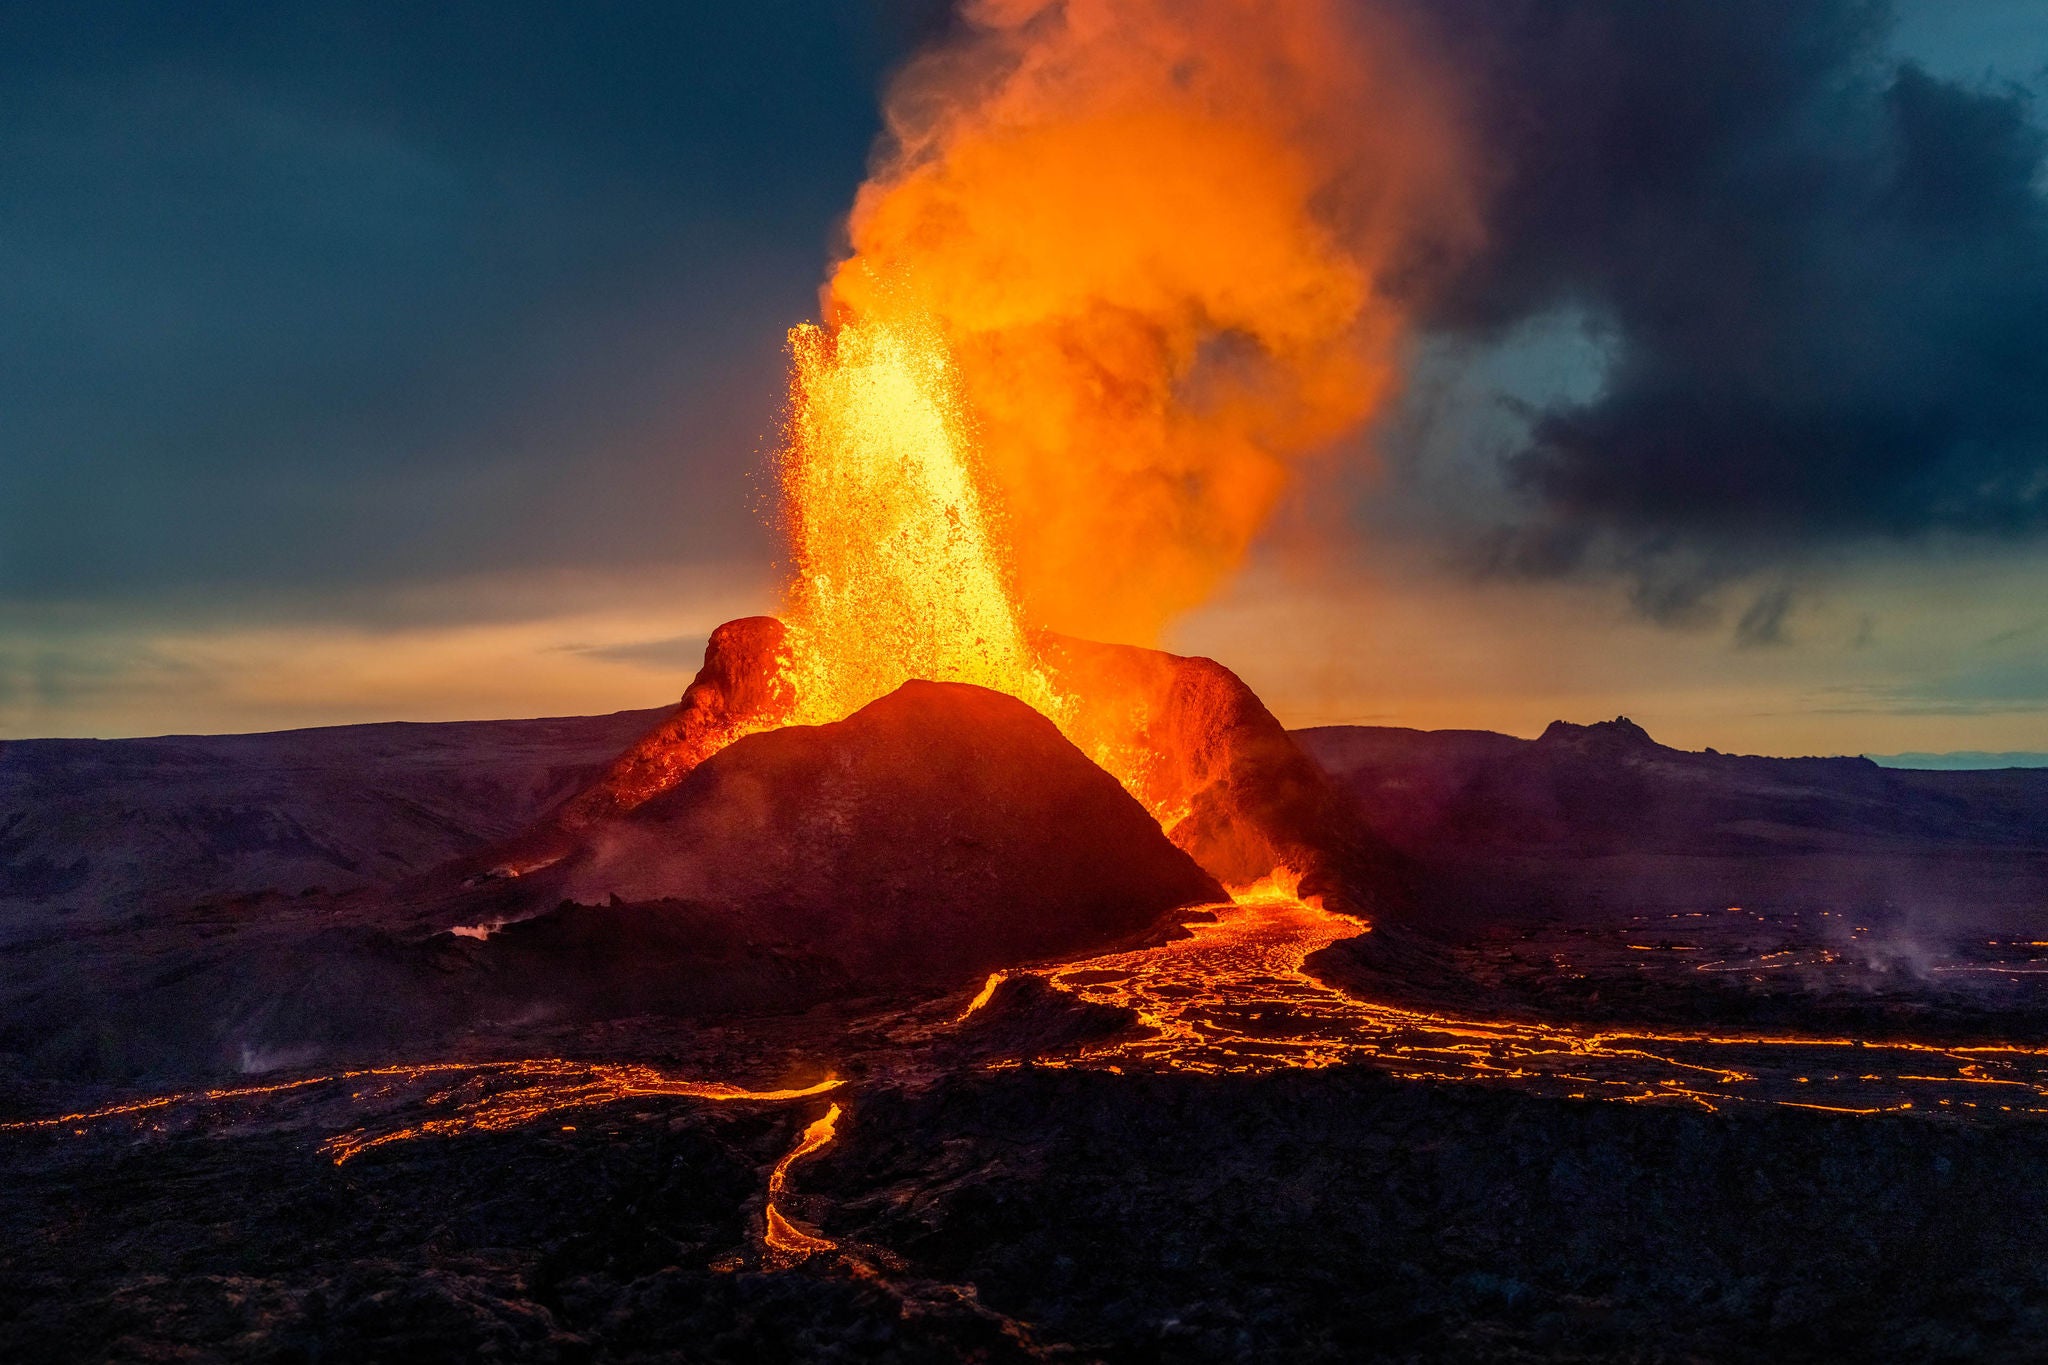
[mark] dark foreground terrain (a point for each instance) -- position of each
(1024, 1214)
(1593, 874)
(1030, 1177)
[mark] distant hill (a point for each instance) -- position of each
(1966, 759)
(1601, 818)
(110, 827)
(1609, 786)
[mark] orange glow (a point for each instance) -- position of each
(1281, 886)
(472, 1097)
(547, 1087)
(779, 1233)
(895, 574)
(214, 1096)
(1153, 237)
(897, 567)
(1118, 273)
(984, 995)
(1117, 276)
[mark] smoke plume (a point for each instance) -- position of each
(1163, 242)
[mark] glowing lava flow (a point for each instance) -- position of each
(1234, 997)
(984, 995)
(547, 1088)
(470, 1097)
(780, 1234)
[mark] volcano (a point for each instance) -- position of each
(943, 831)
(970, 1010)
(1194, 744)
(938, 833)
(728, 863)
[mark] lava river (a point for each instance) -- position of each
(1235, 997)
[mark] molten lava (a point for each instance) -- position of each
(1155, 235)
(1117, 274)
(895, 572)
(742, 689)
(780, 1234)
(1236, 996)
(898, 572)
(464, 1097)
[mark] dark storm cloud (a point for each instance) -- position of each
(338, 293)
(1820, 277)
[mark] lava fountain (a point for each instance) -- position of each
(1123, 269)
(895, 572)
(1118, 273)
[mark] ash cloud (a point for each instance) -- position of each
(1820, 273)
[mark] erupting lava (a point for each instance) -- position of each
(895, 573)
(898, 573)
(1155, 236)
(1118, 272)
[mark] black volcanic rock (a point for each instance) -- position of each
(1568, 848)
(1611, 788)
(1328, 1215)
(1025, 1015)
(1612, 738)
(942, 830)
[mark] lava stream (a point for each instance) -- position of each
(1235, 997)
(780, 1234)
(467, 1097)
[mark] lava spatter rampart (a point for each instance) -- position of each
(1234, 997)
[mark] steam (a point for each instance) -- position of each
(1157, 239)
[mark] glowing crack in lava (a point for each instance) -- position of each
(1234, 997)
(457, 1097)
(779, 1234)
